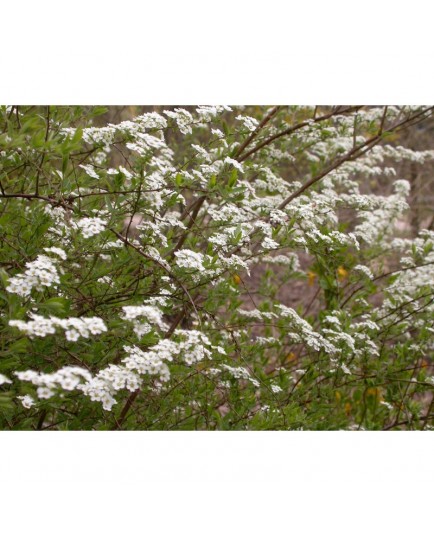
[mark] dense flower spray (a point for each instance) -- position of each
(215, 267)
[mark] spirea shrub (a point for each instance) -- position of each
(214, 268)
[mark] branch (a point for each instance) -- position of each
(256, 131)
(290, 130)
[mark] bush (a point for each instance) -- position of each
(213, 268)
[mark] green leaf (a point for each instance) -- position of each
(55, 305)
(20, 346)
(233, 178)
(78, 134)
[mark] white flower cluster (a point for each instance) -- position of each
(153, 361)
(153, 233)
(239, 235)
(186, 258)
(91, 226)
(183, 119)
(412, 281)
(73, 327)
(364, 270)
(240, 373)
(209, 112)
(154, 254)
(255, 314)
(104, 385)
(40, 273)
(116, 244)
(193, 344)
(57, 251)
(146, 144)
(303, 331)
(66, 378)
(290, 259)
(62, 225)
(378, 214)
(153, 316)
(105, 280)
(356, 339)
(192, 347)
(103, 135)
(268, 243)
(27, 401)
(90, 170)
(234, 163)
(151, 120)
(234, 262)
(106, 135)
(337, 336)
(249, 122)
(204, 154)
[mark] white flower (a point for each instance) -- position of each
(365, 270)
(193, 346)
(205, 155)
(27, 375)
(185, 258)
(105, 280)
(57, 251)
(234, 163)
(249, 122)
(67, 378)
(39, 326)
(217, 132)
(209, 112)
(45, 392)
(73, 327)
(303, 331)
(91, 226)
(90, 170)
(152, 314)
(402, 187)
(4, 379)
(183, 119)
(269, 243)
(40, 273)
(151, 120)
(240, 373)
(345, 369)
(72, 335)
(27, 401)
(95, 135)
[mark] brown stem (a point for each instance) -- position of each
(189, 226)
(290, 130)
(256, 131)
(347, 157)
(134, 395)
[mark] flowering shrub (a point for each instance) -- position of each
(214, 267)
